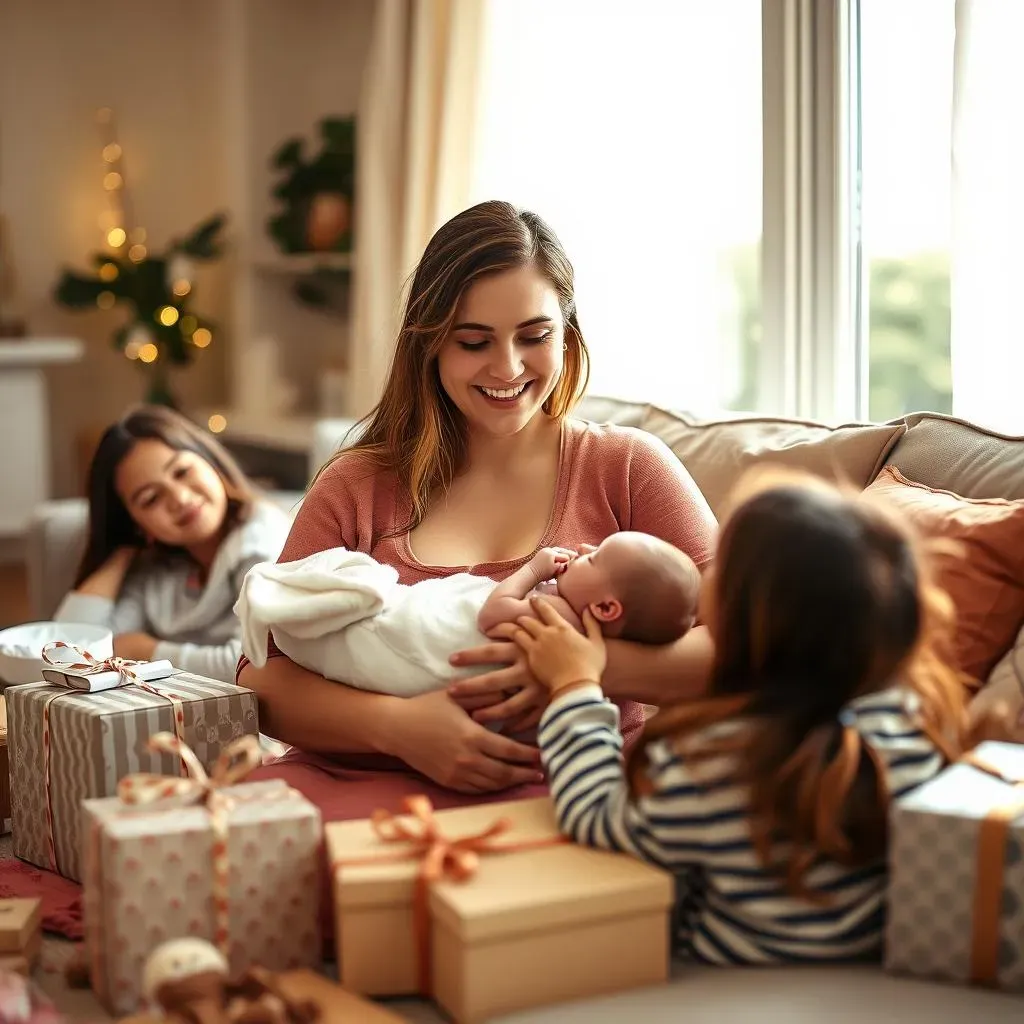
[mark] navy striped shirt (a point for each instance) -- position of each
(695, 823)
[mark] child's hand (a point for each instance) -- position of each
(558, 655)
(551, 562)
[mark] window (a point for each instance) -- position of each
(906, 105)
(636, 133)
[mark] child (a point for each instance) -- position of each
(827, 701)
(174, 525)
(344, 615)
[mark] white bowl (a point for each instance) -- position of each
(21, 647)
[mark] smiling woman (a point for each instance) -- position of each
(174, 525)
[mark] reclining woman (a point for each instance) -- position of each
(174, 526)
(471, 462)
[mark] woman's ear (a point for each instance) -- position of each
(608, 610)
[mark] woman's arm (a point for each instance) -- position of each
(665, 674)
(106, 599)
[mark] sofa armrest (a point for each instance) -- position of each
(54, 544)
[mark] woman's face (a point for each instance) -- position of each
(176, 497)
(503, 357)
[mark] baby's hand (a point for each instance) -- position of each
(551, 562)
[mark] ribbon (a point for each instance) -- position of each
(439, 856)
(989, 874)
(88, 664)
(238, 759)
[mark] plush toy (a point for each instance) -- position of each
(188, 980)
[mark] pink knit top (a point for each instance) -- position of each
(609, 478)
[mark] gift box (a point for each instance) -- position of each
(956, 895)
(5, 772)
(334, 1005)
(67, 745)
(236, 863)
(489, 910)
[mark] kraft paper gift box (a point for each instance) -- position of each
(236, 863)
(67, 745)
(21, 934)
(520, 917)
(5, 772)
(956, 896)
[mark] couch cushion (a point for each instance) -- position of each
(602, 409)
(954, 455)
(986, 582)
(716, 453)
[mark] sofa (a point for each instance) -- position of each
(944, 457)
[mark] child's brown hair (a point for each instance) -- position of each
(818, 596)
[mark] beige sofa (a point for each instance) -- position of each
(935, 450)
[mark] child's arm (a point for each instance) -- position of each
(674, 825)
(509, 600)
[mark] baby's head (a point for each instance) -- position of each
(638, 587)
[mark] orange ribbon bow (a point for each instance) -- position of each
(439, 857)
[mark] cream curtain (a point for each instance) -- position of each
(416, 134)
(987, 267)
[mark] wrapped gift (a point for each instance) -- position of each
(956, 896)
(5, 772)
(67, 745)
(489, 910)
(213, 857)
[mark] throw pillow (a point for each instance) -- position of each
(986, 583)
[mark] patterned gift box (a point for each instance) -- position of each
(66, 746)
(489, 910)
(956, 896)
(235, 863)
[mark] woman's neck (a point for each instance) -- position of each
(504, 453)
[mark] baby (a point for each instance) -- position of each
(344, 615)
(638, 587)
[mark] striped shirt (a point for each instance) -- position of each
(695, 823)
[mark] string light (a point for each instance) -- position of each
(108, 272)
(112, 181)
(105, 300)
(138, 235)
(201, 338)
(137, 253)
(148, 352)
(181, 288)
(168, 316)
(112, 152)
(188, 325)
(217, 423)
(116, 237)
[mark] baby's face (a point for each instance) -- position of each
(589, 578)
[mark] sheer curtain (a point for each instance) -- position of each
(635, 131)
(416, 136)
(987, 274)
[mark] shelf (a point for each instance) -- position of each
(302, 262)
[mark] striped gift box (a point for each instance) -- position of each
(66, 746)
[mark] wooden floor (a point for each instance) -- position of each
(14, 604)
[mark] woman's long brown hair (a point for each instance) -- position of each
(415, 431)
(819, 597)
(111, 525)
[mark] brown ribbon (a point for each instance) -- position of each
(990, 868)
(439, 857)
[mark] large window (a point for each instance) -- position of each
(906, 106)
(636, 132)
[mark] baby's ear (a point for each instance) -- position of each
(607, 611)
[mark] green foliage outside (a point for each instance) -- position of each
(908, 340)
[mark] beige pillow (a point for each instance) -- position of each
(954, 455)
(1004, 689)
(716, 453)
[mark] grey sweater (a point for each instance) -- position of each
(195, 624)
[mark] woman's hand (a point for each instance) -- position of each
(135, 646)
(510, 695)
(559, 656)
(106, 581)
(433, 735)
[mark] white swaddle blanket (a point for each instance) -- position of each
(344, 615)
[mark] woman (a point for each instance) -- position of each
(174, 526)
(471, 463)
